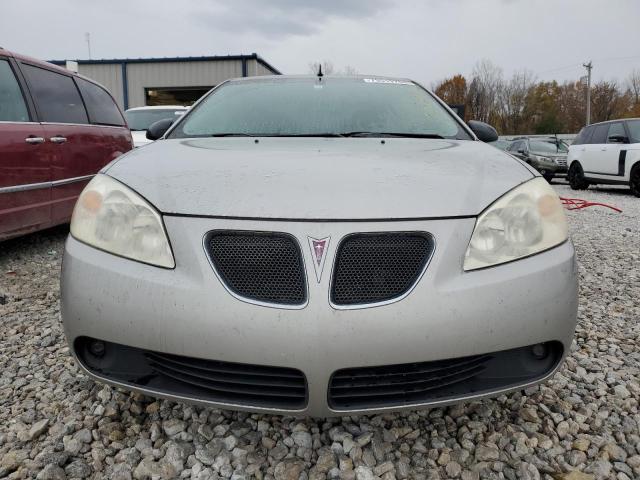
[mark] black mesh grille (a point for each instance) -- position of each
(265, 267)
(372, 268)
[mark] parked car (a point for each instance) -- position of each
(547, 155)
(57, 129)
(606, 153)
(329, 245)
(140, 118)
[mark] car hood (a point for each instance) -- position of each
(320, 178)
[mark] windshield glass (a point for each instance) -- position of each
(308, 107)
(548, 146)
(141, 119)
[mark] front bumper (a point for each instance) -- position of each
(449, 314)
(550, 167)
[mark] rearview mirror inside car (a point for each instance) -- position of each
(157, 129)
(484, 131)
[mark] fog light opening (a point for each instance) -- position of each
(540, 351)
(97, 348)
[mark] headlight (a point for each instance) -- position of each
(111, 217)
(527, 220)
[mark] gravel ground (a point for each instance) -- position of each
(55, 423)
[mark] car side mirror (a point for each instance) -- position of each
(157, 129)
(617, 139)
(484, 131)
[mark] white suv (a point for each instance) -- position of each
(606, 153)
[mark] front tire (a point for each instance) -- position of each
(634, 181)
(576, 177)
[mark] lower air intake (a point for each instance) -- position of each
(195, 378)
(425, 382)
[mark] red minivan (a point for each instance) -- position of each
(57, 130)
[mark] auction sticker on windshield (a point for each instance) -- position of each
(384, 80)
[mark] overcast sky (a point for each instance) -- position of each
(425, 40)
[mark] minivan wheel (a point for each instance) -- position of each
(576, 177)
(634, 181)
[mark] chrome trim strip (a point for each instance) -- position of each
(35, 186)
(358, 306)
(66, 181)
(24, 188)
(250, 300)
(19, 122)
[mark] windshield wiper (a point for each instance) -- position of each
(332, 134)
(232, 135)
(276, 135)
(391, 134)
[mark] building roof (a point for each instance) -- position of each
(213, 58)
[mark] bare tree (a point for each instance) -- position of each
(512, 101)
(327, 67)
(349, 70)
(607, 102)
(486, 82)
(633, 82)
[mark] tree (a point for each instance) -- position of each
(486, 82)
(512, 98)
(607, 102)
(349, 70)
(452, 91)
(543, 109)
(633, 82)
(327, 67)
(572, 106)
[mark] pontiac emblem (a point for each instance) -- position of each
(318, 253)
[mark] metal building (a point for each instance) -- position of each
(136, 82)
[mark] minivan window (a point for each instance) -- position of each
(312, 107)
(616, 129)
(600, 133)
(12, 105)
(634, 131)
(56, 96)
(100, 106)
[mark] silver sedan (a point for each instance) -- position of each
(319, 246)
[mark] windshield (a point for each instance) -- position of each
(548, 146)
(309, 107)
(141, 119)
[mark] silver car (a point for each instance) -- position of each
(319, 246)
